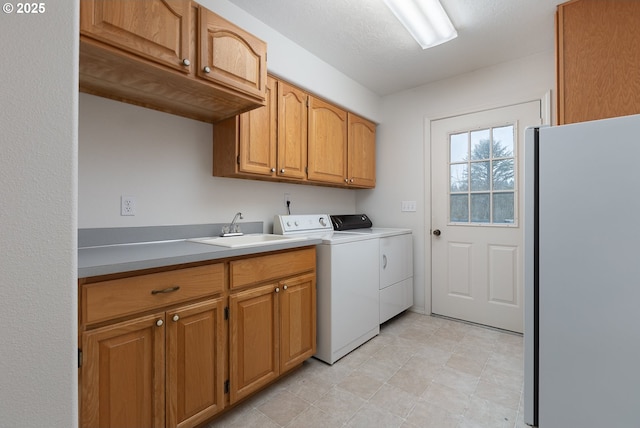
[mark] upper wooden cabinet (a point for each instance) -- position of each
(133, 26)
(231, 56)
(361, 165)
(269, 142)
(292, 132)
(170, 55)
(245, 145)
(327, 148)
(296, 138)
(597, 59)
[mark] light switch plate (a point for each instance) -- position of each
(408, 206)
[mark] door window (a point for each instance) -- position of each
(482, 183)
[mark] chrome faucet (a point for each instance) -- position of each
(233, 229)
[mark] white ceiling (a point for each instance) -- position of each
(363, 39)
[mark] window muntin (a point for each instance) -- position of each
(482, 176)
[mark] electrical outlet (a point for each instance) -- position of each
(287, 199)
(127, 205)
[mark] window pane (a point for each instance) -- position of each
(459, 208)
(503, 207)
(503, 174)
(503, 142)
(480, 144)
(480, 175)
(480, 208)
(459, 147)
(460, 177)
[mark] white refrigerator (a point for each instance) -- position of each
(582, 274)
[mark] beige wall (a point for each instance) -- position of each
(38, 176)
(403, 145)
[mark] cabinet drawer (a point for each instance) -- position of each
(120, 297)
(265, 268)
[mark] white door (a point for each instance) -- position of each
(476, 226)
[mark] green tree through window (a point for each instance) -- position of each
(482, 180)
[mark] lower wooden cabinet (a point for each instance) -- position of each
(166, 366)
(123, 375)
(272, 330)
(196, 338)
(203, 338)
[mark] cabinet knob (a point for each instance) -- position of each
(277, 289)
(159, 323)
(186, 62)
(284, 287)
(346, 180)
(351, 181)
(175, 318)
(273, 170)
(282, 171)
(206, 69)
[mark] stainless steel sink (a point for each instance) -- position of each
(252, 240)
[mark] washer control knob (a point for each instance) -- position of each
(322, 221)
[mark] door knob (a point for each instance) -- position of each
(436, 232)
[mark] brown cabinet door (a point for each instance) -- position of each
(231, 56)
(297, 321)
(362, 152)
(258, 136)
(327, 156)
(195, 363)
(253, 340)
(157, 30)
(597, 49)
(292, 132)
(123, 374)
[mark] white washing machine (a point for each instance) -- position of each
(348, 295)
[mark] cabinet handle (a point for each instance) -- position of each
(284, 287)
(175, 318)
(207, 69)
(384, 261)
(166, 290)
(186, 62)
(277, 289)
(159, 323)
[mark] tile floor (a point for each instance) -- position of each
(420, 372)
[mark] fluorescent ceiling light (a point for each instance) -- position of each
(426, 20)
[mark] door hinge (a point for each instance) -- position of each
(226, 386)
(226, 312)
(79, 357)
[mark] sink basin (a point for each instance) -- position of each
(247, 240)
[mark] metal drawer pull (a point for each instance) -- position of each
(166, 290)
